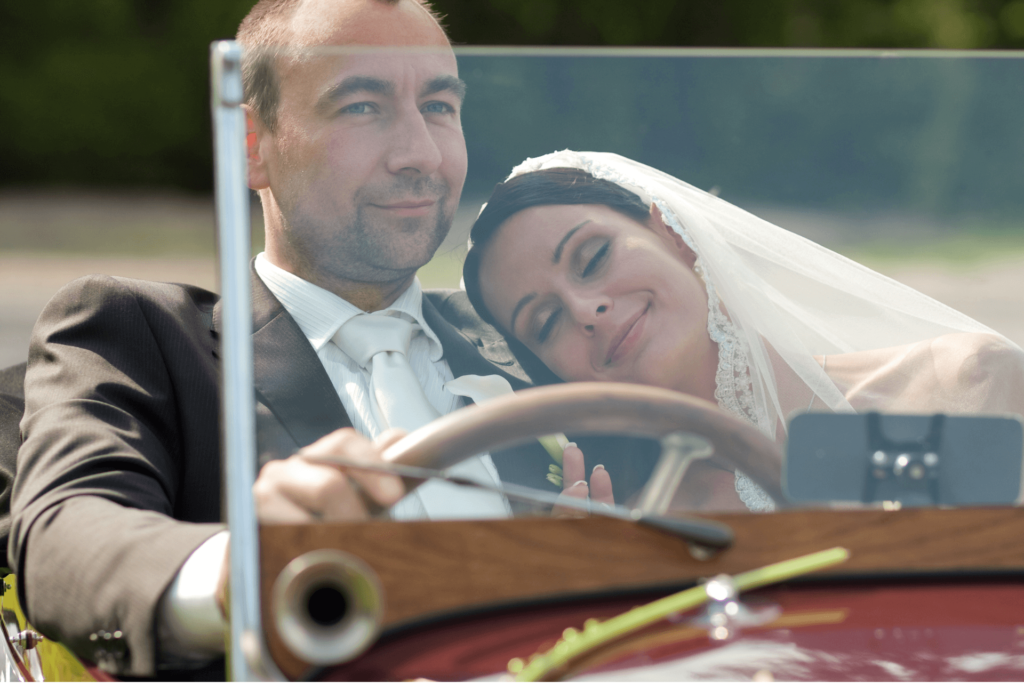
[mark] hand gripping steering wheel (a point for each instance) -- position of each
(592, 407)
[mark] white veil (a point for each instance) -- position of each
(789, 303)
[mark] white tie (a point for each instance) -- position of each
(380, 345)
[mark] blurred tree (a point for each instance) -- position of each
(740, 23)
(108, 92)
(114, 92)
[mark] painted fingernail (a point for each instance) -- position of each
(571, 443)
(581, 482)
(598, 467)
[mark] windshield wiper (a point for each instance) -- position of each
(704, 533)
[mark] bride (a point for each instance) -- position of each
(606, 269)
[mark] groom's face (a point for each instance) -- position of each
(365, 165)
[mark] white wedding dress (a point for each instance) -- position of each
(779, 305)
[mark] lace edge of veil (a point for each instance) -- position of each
(733, 385)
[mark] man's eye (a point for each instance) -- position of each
(359, 108)
(596, 260)
(548, 326)
(437, 108)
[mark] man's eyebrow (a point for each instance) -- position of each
(519, 306)
(354, 84)
(561, 245)
(441, 83)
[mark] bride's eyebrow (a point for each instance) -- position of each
(555, 258)
(519, 306)
(561, 245)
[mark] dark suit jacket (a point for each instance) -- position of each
(119, 476)
(12, 405)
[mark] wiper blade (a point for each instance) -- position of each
(709, 534)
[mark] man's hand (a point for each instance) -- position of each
(296, 491)
(574, 483)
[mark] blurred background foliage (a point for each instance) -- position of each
(113, 93)
(106, 154)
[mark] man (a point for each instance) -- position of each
(359, 164)
(359, 160)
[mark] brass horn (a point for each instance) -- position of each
(328, 606)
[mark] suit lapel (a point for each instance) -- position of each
(289, 378)
(291, 382)
(469, 353)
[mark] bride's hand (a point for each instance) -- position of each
(574, 483)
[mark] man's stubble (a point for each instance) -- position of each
(372, 249)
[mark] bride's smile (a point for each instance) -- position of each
(597, 295)
(627, 338)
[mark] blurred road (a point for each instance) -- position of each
(28, 282)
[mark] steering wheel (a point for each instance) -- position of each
(593, 407)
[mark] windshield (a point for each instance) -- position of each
(769, 233)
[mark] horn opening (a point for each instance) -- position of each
(327, 606)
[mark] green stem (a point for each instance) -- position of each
(554, 444)
(575, 644)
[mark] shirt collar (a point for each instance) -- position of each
(320, 313)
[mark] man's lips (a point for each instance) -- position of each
(416, 207)
(626, 337)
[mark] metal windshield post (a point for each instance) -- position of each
(238, 423)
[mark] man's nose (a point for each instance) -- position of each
(413, 148)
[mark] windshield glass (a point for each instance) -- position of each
(769, 233)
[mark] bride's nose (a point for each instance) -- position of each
(590, 312)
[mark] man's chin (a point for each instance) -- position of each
(413, 242)
(396, 260)
(374, 249)
(402, 264)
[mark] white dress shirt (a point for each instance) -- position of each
(320, 314)
(190, 625)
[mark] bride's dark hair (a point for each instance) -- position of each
(550, 187)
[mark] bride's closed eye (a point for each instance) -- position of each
(548, 326)
(591, 255)
(596, 262)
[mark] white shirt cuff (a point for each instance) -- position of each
(190, 626)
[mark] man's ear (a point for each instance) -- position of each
(256, 136)
(673, 240)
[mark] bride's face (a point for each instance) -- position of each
(599, 296)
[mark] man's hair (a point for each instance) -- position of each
(549, 187)
(264, 34)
